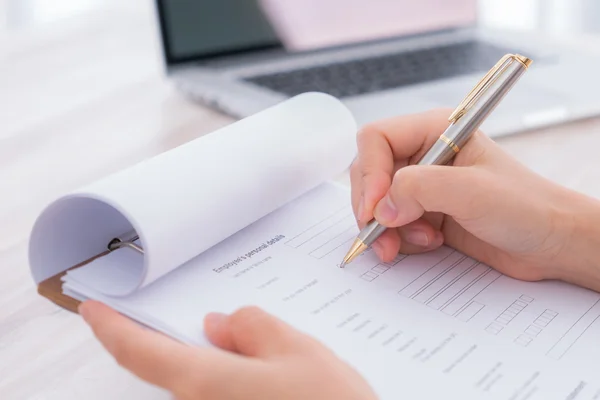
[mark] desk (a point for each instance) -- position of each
(85, 98)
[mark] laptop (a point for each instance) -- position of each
(381, 58)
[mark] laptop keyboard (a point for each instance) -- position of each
(355, 77)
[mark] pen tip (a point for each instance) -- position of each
(357, 247)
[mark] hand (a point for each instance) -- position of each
(485, 205)
(256, 356)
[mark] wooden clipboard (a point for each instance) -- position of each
(51, 288)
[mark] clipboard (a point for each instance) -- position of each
(51, 288)
(79, 227)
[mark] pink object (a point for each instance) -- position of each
(308, 24)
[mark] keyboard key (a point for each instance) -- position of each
(355, 77)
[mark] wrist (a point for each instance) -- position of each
(578, 261)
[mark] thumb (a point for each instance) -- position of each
(459, 192)
(160, 360)
(253, 332)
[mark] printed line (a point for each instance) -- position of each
(526, 298)
(511, 312)
(369, 276)
(482, 289)
(314, 225)
(452, 282)
(331, 240)
(470, 311)
(545, 318)
(533, 330)
(336, 213)
(580, 335)
(572, 326)
(427, 270)
(396, 260)
(523, 340)
(338, 222)
(494, 328)
(437, 277)
(467, 287)
(570, 329)
(380, 268)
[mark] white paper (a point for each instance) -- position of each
(187, 200)
(436, 325)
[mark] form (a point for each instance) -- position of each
(434, 325)
(551, 319)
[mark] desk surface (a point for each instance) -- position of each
(84, 98)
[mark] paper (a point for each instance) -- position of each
(437, 325)
(185, 201)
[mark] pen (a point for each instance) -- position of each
(464, 121)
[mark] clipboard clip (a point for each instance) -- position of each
(485, 82)
(118, 243)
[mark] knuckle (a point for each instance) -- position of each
(368, 130)
(366, 134)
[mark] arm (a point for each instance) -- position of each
(486, 204)
(579, 259)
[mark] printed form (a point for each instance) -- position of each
(435, 325)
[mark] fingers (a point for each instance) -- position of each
(416, 237)
(385, 146)
(419, 236)
(375, 166)
(356, 191)
(387, 245)
(134, 347)
(156, 358)
(456, 191)
(368, 186)
(408, 136)
(253, 332)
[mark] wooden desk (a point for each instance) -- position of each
(84, 98)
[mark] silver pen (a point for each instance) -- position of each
(464, 121)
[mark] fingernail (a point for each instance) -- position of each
(214, 319)
(386, 210)
(378, 249)
(417, 237)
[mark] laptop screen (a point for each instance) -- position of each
(201, 29)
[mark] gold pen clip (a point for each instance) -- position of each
(486, 81)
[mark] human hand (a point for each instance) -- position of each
(486, 205)
(256, 356)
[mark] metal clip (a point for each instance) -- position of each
(489, 78)
(118, 243)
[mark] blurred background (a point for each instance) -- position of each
(125, 32)
(549, 16)
(90, 73)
